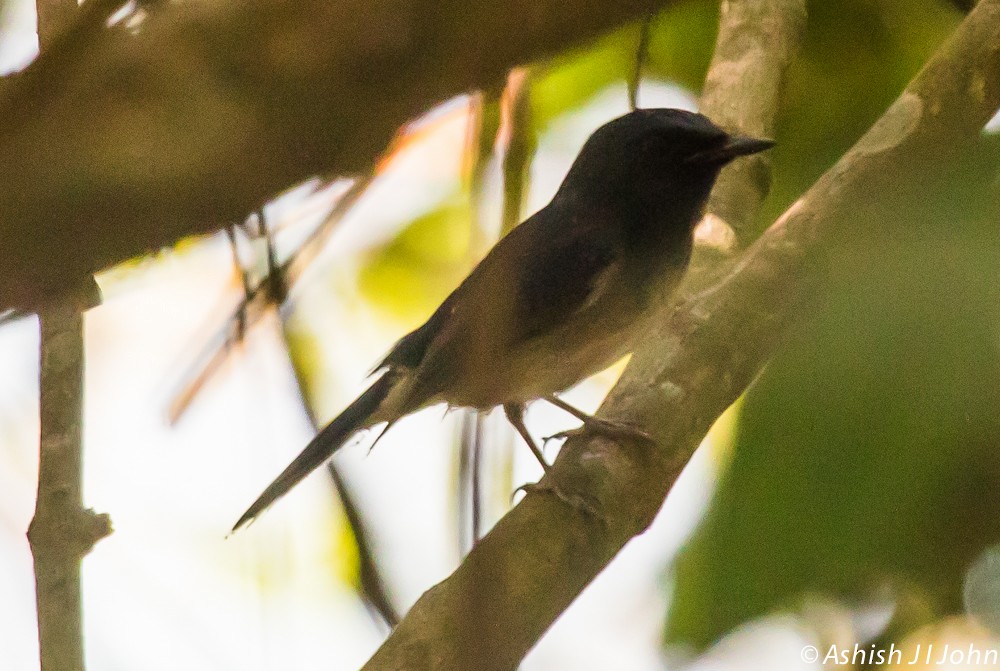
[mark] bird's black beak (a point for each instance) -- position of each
(735, 146)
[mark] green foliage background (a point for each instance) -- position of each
(865, 456)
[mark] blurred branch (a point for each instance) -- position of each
(757, 41)
(224, 104)
(269, 293)
(61, 531)
(373, 587)
(963, 5)
(641, 53)
(704, 354)
(520, 146)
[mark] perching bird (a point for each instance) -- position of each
(563, 296)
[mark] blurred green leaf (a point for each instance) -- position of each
(857, 57)
(412, 274)
(680, 48)
(866, 454)
(682, 42)
(569, 80)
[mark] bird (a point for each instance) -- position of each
(562, 296)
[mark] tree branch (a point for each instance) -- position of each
(61, 532)
(542, 554)
(757, 42)
(189, 115)
(53, 17)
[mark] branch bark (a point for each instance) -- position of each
(704, 354)
(190, 115)
(757, 42)
(61, 532)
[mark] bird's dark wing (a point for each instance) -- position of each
(559, 279)
(545, 270)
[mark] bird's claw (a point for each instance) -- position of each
(577, 502)
(617, 431)
(562, 435)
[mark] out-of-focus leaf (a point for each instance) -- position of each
(413, 273)
(870, 49)
(680, 48)
(305, 352)
(681, 42)
(567, 81)
(866, 454)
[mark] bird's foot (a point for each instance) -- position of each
(577, 502)
(620, 432)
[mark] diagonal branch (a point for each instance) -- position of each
(705, 353)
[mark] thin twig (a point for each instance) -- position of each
(469, 489)
(256, 302)
(373, 585)
(373, 590)
(62, 532)
(274, 288)
(641, 53)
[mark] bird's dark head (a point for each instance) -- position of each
(653, 157)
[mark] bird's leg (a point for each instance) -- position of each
(515, 415)
(574, 501)
(617, 431)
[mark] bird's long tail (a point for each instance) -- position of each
(355, 417)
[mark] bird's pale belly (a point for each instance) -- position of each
(548, 364)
